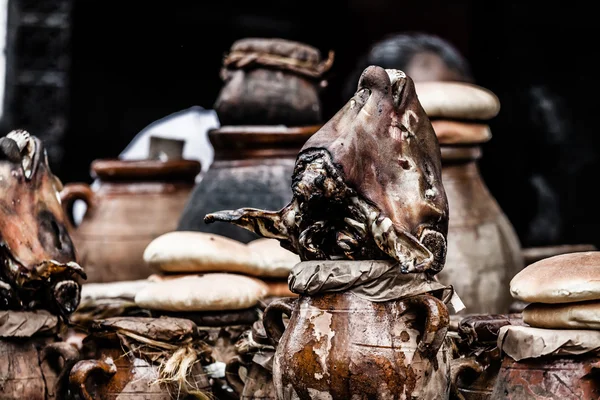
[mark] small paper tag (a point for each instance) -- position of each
(455, 305)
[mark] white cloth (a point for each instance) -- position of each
(191, 125)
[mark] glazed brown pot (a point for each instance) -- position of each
(484, 252)
(271, 82)
(340, 346)
(548, 378)
(35, 368)
(252, 167)
(135, 202)
(256, 385)
(114, 373)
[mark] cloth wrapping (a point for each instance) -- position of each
(26, 323)
(522, 342)
(377, 281)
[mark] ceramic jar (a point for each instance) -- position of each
(484, 252)
(271, 82)
(565, 378)
(34, 368)
(114, 371)
(341, 346)
(252, 167)
(134, 202)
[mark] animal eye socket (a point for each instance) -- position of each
(51, 234)
(56, 231)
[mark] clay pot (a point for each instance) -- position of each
(135, 202)
(35, 368)
(271, 82)
(113, 373)
(340, 346)
(252, 167)
(484, 252)
(257, 384)
(548, 378)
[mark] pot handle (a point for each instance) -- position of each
(232, 375)
(459, 366)
(70, 356)
(272, 317)
(436, 322)
(82, 371)
(76, 191)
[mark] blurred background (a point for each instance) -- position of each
(87, 76)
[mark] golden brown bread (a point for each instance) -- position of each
(455, 132)
(564, 278)
(583, 315)
(194, 252)
(457, 100)
(208, 292)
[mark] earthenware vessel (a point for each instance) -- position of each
(134, 202)
(271, 82)
(253, 167)
(35, 362)
(341, 346)
(115, 370)
(484, 251)
(566, 378)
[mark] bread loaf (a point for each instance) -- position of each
(584, 315)
(183, 252)
(565, 278)
(457, 100)
(208, 292)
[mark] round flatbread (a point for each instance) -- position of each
(208, 292)
(183, 252)
(275, 261)
(585, 315)
(565, 278)
(455, 132)
(457, 100)
(113, 290)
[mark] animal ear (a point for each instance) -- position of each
(9, 150)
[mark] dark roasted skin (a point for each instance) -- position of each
(367, 185)
(38, 269)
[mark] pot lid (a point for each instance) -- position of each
(146, 170)
(278, 53)
(276, 141)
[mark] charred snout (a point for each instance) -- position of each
(66, 295)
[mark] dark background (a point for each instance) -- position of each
(127, 63)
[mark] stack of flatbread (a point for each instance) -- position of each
(219, 283)
(180, 253)
(564, 291)
(564, 310)
(458, 111)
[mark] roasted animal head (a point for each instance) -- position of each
(367, 185)
(37, 258)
